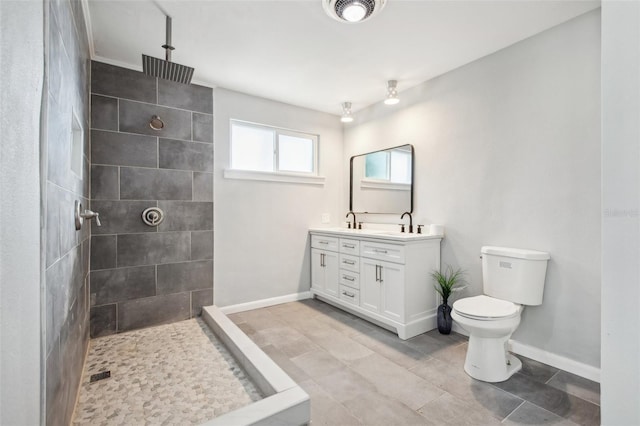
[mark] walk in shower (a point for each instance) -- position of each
(153, 357)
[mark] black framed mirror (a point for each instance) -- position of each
(382, 181)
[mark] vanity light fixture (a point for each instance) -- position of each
(346, 113)
(392, 93)
(352, 11)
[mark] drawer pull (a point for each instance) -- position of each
(349, 262)
(348, 278)
(346, 293)
(380, 251)
(351, 246)
(323, 242)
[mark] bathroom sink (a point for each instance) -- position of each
(356, 231)
(378, 233)
(405, 235)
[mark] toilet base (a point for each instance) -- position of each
(488, 360)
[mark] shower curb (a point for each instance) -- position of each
(285, 403)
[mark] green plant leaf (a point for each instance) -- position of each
(448, 281)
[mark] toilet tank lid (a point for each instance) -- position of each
(515, 253)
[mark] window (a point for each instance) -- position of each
(260, 148)
(392, 166)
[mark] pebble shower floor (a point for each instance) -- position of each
(174, 374)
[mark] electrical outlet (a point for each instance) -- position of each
(326, 218)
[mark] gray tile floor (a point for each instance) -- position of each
(357, 373)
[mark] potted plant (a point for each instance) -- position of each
(447, 283)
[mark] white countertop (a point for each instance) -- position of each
(377, 233)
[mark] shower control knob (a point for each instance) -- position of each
(153, 216)
(84, 214)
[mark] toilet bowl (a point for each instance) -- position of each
(489, 332)
(511, 278)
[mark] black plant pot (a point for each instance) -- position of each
(444, 319)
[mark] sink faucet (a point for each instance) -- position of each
(410, 221)
(354, 220)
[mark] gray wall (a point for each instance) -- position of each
(21, 36)
(261, 247)
(66, 250)
(621, 207)
(508, 154)
(142, 275)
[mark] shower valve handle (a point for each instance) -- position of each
(90, 214)
(83, 214)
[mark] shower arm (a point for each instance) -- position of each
(167, 46)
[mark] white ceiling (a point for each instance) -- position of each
(291, 51)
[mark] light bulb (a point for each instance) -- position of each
(354, 12)
(346, 113)
(392, 93)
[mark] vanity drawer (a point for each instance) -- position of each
(382, 251)
(351, 263)
(350, 246)
(350, 295)
(350, 279)
(324, 242)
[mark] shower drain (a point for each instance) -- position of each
(100, 376)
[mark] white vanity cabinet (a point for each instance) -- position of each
(324, 265)
(382, 288)
(381, 277)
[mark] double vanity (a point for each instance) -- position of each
(381, 276)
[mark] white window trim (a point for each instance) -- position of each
(274, 176)
(312, 178)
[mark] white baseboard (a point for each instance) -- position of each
(578, 368)
(549, 358)
(257, 304)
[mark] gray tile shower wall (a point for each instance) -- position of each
(66, 279)
(142, 275)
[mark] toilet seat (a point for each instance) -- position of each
(485, 308)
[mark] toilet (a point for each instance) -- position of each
(511, 279)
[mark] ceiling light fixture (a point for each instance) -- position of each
(392, 93)
(346, 113)
(352, 11)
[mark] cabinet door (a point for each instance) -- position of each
(317, 270)
(369, 285)
(392, 304)
(331, 273)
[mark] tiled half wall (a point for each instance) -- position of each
(143, 275)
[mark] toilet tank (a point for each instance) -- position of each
(512, 274)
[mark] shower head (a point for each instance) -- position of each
(156, 123)
(165, 68)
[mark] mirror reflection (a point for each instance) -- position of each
(382, 181)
